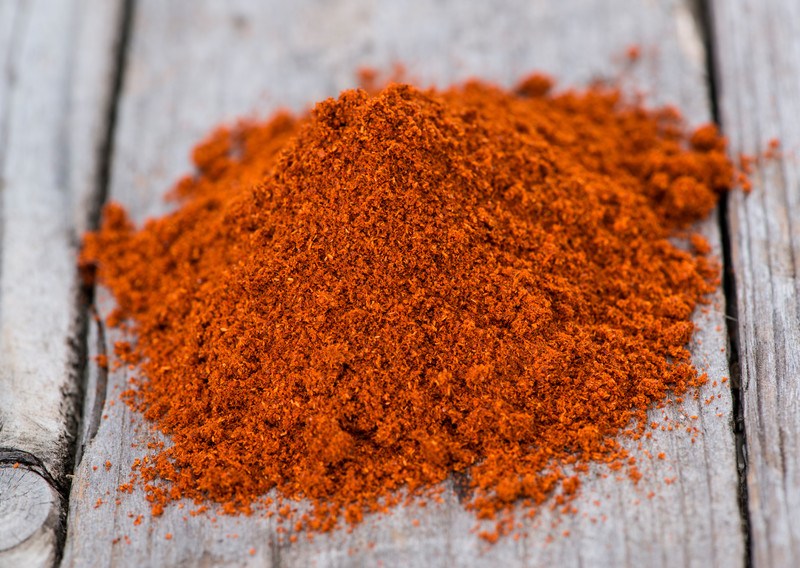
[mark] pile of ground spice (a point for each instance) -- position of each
(409, 284)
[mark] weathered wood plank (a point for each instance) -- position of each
(758, 63)
(56, 61)
(193, 64)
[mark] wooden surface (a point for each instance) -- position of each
(56, 60)
(191, 64)
(758, 63)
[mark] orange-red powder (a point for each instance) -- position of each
(410, 284)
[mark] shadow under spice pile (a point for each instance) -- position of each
(409, 283)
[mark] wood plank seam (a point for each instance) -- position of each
(90, 422)
(86, 293)
(35, 484)
(705, 14)
(732, 325)
(125, 26)
(757, 72)
(92, 415)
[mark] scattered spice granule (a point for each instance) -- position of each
(772, 152)
(102, 361)
(746, 162)
(168, 536)
(16, 465)
(414, 283)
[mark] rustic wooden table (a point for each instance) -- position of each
(104, 98)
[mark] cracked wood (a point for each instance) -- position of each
(758, 73)
(56, 60)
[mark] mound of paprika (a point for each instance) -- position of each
(403, 285)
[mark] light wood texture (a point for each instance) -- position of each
(30, 512)
(56, 60)
(25, 533)
(193, 64)
(758, 62)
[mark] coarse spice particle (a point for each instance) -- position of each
(408, 284)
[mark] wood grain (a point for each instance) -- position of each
(193, 64)
(55, 69)
(30, 511)
(758, 63)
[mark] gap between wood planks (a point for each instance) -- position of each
(87, 431)
(86, 294)
(703, 13)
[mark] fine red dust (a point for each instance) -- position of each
(408, 284)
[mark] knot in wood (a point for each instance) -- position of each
(26, 501)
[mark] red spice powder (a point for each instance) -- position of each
(411, 284)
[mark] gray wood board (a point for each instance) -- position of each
(758, 52)
(56, 64)
(194, 64)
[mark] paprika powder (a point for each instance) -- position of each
(408, 284)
